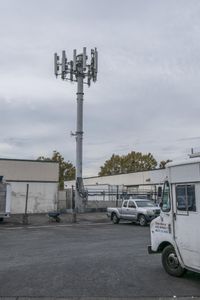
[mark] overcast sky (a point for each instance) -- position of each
(146, 99)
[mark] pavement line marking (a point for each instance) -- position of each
(52, 226)
(10, 228)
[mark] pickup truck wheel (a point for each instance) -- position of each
(115, 219)
(171, 263)
(142, 220)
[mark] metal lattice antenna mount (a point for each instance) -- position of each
(79, 66)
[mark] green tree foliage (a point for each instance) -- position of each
(132, 162)
(163, 163)
(66, 169)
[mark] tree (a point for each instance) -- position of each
(111, 166)
(163, 163)
(66, 169)
(132, 162)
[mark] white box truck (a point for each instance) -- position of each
(5, 199)
(176, 232)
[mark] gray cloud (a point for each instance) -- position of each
(147, 94)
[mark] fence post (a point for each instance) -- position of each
(117, 201)
(25, 216)
(73, 206)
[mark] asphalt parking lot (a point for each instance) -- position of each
(86, 261)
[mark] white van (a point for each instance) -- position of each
(176, 232)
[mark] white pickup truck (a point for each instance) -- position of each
(141, 211)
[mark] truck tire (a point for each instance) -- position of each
(142, 220)
(115, 218)
(171, 263)
(1, 220)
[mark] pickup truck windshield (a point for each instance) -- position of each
(144, 204)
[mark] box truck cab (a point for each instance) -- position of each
(176, 232)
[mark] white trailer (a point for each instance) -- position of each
(5, 199)
(175, 233)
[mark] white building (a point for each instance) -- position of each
(138, 181)
(41, 178)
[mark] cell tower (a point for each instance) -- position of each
(82, 72)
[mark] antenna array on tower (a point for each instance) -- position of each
(79, 66)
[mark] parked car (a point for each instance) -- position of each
(141, 211)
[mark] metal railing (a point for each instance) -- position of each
(114, 193)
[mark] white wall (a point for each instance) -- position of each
(131, 179)
(42, 197)
(42, 178)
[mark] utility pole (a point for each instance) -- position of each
(80, 71)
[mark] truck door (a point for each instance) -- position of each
(124, 211)
(132, 213)
(166, 210)
(187, 223)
